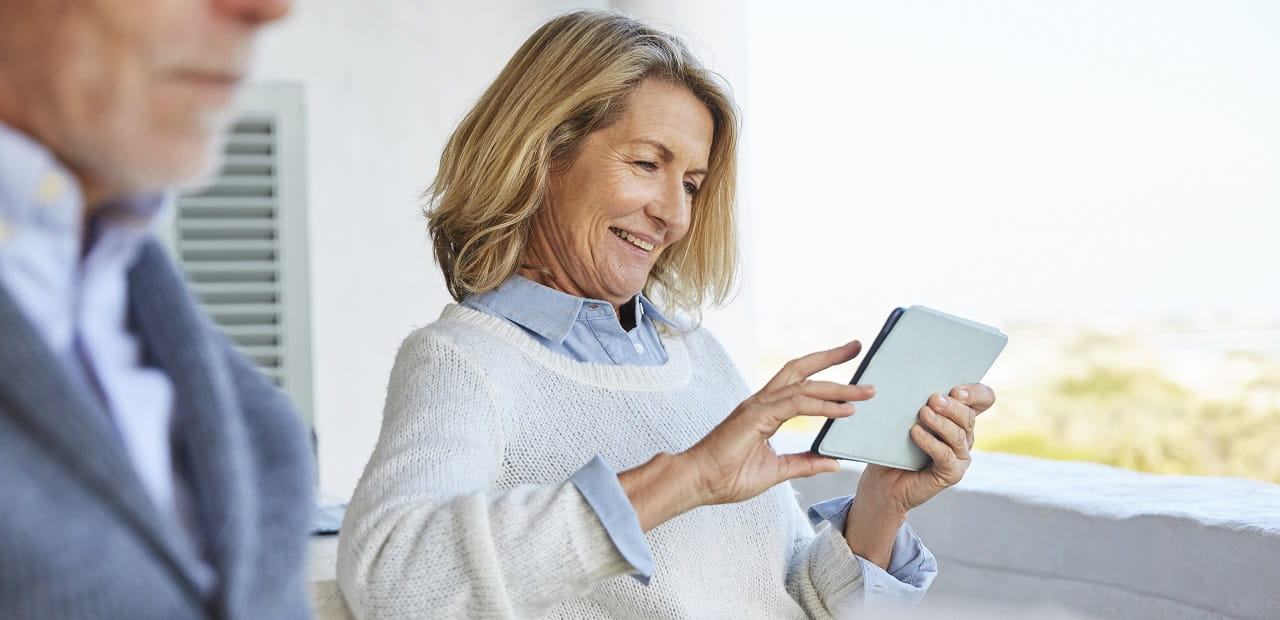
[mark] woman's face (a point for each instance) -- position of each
(625, 197)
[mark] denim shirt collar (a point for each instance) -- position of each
(551, 313)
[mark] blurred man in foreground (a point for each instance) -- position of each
(147, 470)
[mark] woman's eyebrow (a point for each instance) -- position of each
(665, 153)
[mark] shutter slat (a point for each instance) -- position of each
(250, 139)
(229, 309)
(251, 331)
(229, 224)
(228, 267)
(240, 186)
(213, 288)
(260, 351)
(248, 160)
(255, 181)
(213, 205)
(227, 245)
(253, 123)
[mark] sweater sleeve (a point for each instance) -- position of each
(427, 536)
(830, 580)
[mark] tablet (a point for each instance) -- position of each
(919, 352)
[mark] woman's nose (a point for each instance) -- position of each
(672, 206)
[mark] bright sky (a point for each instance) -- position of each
(1014, 160)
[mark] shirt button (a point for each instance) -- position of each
(639, 348)
(50, 188)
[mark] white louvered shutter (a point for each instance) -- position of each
(242, 241)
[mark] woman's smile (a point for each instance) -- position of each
(633, 240)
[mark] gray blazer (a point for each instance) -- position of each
(79, 536)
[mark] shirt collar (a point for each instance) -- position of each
(646, 307)
(551, 313)
(36, 189)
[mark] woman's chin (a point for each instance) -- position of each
(625, 277)
(622, 290)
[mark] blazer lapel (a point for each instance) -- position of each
(207, 418)
(59, 409)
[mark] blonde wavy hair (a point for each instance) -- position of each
(573, 76)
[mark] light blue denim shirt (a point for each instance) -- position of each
(583, 329)
(587, 330)
(71, 283)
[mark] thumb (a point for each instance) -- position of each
(805, 464)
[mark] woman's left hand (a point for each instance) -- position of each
(952, 419)
(885, 494)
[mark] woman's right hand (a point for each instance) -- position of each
(735, 459)
(735, 462)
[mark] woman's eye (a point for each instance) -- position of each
(647, 165)
(690, 188)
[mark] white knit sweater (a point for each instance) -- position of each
(465, 508)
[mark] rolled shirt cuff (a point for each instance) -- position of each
(600, 487)
(912, 567)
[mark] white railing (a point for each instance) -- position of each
(1024, 533)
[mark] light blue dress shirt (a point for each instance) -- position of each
(587, 330)
(72, 285)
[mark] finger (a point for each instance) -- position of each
(946, 465)
(773, 415)
(946, 430)
(804, 464)
(806, 406)
(834, 401)
(803, 367)
(976, 395)
(825, 390)
(957, 412)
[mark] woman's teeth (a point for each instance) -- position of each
(636, 241)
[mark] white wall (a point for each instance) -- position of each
(385, 82)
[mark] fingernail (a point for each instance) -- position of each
(963, 394)
(942, 401)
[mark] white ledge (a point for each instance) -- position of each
(1096, 540)
(326, 599)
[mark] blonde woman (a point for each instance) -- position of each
(557, 446)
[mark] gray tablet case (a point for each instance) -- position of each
(919, 352)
